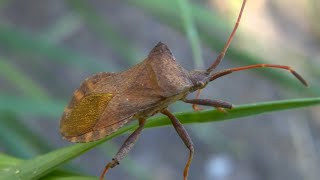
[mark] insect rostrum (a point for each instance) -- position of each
(107, 101)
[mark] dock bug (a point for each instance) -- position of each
(106, 102)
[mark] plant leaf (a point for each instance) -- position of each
(7, 161)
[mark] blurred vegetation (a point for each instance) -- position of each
(33, 96)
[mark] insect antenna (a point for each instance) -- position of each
(223, 52)
(229, 71)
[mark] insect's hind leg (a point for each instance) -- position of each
(125, 148)
(184, 136)
(218, 104)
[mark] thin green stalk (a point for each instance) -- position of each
(106, 32)
(28, 106)
(20, 80)
(22, 42)
(62, 28)
(22, 142)
(191, 32)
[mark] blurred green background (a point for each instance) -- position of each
(48, 47)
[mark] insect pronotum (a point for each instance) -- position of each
(107, 101)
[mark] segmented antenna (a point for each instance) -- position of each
(223, 52)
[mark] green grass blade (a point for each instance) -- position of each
(191, 32)
(60, 176)
(238, 112)
(18, 138)
(20, 80)
(43, 164)
(64, 27)
(20, 141)
(66, 175)
(21, 42)
(29, 106)
(6, 161)
(105, 31)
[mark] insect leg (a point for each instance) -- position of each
(194, 106)
(125, 148)
(219, 105)
(184, 136)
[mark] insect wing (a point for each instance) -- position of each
(85, 114)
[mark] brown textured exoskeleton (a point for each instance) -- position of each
(107, 101)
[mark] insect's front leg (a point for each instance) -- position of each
(218, 104)
(194, 106)
(125, 148)
(184, 136)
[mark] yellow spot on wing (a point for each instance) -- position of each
(85, 114)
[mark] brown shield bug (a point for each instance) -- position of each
(107, 101)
